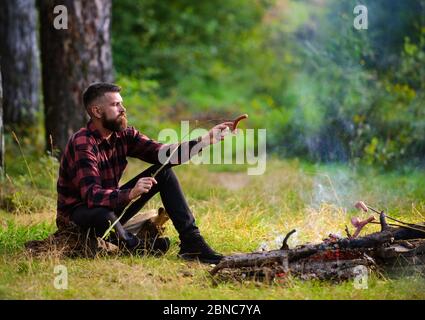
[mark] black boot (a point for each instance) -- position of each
(194, 247)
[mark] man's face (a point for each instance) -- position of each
(113, 112)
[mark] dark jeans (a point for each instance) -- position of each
(99, 219)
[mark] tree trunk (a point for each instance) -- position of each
(72, 59)
(19, 58)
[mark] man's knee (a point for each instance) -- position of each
(103, 219)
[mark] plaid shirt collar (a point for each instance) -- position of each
(98, 137)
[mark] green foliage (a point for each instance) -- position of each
(322, 89)
(31, 176)
(357, 95)
(13, 236)
(180, 38)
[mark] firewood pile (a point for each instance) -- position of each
(396, 248)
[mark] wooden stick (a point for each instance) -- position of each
(284, 243)
(237, 120)
(397, 225)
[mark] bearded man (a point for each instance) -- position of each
(91, 167)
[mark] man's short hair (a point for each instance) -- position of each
(97, 90)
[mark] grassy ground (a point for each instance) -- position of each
(236, 213)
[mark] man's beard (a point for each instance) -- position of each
(117, 124)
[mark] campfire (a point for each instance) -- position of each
(398, 246)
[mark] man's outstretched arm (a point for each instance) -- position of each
(140, 146)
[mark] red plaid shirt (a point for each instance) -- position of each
(92, 166)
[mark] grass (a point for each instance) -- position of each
(235, 212)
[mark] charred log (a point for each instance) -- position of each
(335, 258)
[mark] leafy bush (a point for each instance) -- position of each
(323, 90)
